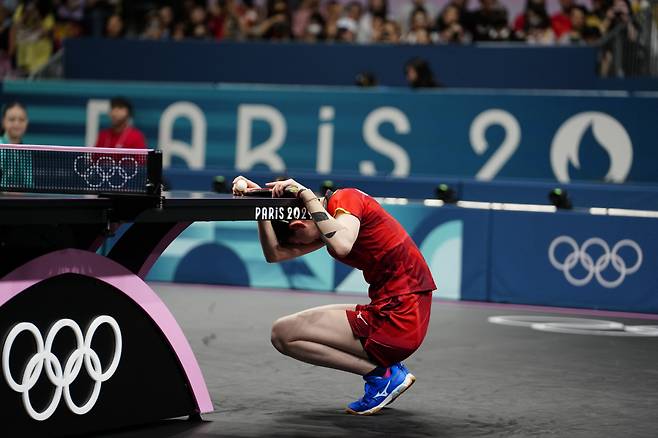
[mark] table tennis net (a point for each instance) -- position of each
(61, 169)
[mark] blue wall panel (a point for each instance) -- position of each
(567, 259)
(575, 260)
(506, 66)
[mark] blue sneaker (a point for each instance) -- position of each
(405, 370)
(380, 391)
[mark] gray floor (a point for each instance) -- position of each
(474, 378)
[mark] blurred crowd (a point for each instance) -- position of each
(32, 30)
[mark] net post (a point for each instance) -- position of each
(154, 173)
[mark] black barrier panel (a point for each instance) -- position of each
(21, 243)
(136, 383)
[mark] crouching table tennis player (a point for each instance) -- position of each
(369, 340)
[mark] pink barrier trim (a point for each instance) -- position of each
(92, 265)
(119, 151)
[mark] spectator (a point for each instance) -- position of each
(354, 11)
(619, 13)
(154, 28)
(620, 22)
(348, 25)
(14, 123)
(38, 25)
(539, 6)
(465, 15)
(391, 33)
(179, 31)
(315, 29)
(121, 134)
(16, 167)
(490, 22)
(333, 12)
(418, 28)
(577, 16)
(5, 31)
(376, 8)
(365, 79)
(114, 27)
(249, 18)
(10, 5)
(449, 26)
(408, 9)
(166, 14)
(377, 31)
(69, 17)
(419, 74)
(534, 24)
(302, 17)
(561, 21)
(347, 30)
(597, 14)
(197, 25)
(277, 26)
(225, 20)
(96, 16)
(32, 34)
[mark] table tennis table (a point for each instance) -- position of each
(87, 346)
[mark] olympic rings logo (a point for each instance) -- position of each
(61, 376)
(105, 170)
(594, 268)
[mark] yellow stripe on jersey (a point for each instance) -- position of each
(341, 211)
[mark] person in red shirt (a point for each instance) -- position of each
(369, 340)
(121, 134)
(561, 21)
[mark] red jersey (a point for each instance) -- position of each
(130, 137)
(391, 262)
(561, 24)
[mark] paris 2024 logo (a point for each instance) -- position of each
(607, 131)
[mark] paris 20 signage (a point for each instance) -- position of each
(486, 134)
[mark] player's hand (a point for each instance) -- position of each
(250, 185)
(279, 187)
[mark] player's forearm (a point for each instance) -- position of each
(268, 241)
(274, 251)
(332, 232)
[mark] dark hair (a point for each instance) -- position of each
(581, 8)
(122, 102)
(6, 108)
(11, 105)
(365, 79)
(282, 231)
(425, 77)
(383, 12)
(543, 19)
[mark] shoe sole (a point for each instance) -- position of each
(408, 381)
(413, 380)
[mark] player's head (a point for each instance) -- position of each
(14, 121)
(296, 232)
(121, 110)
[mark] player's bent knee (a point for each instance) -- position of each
(279, 336)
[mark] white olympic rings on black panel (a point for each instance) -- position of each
(61, 376)
(594, 269)
(576, 326)
(104, 169)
